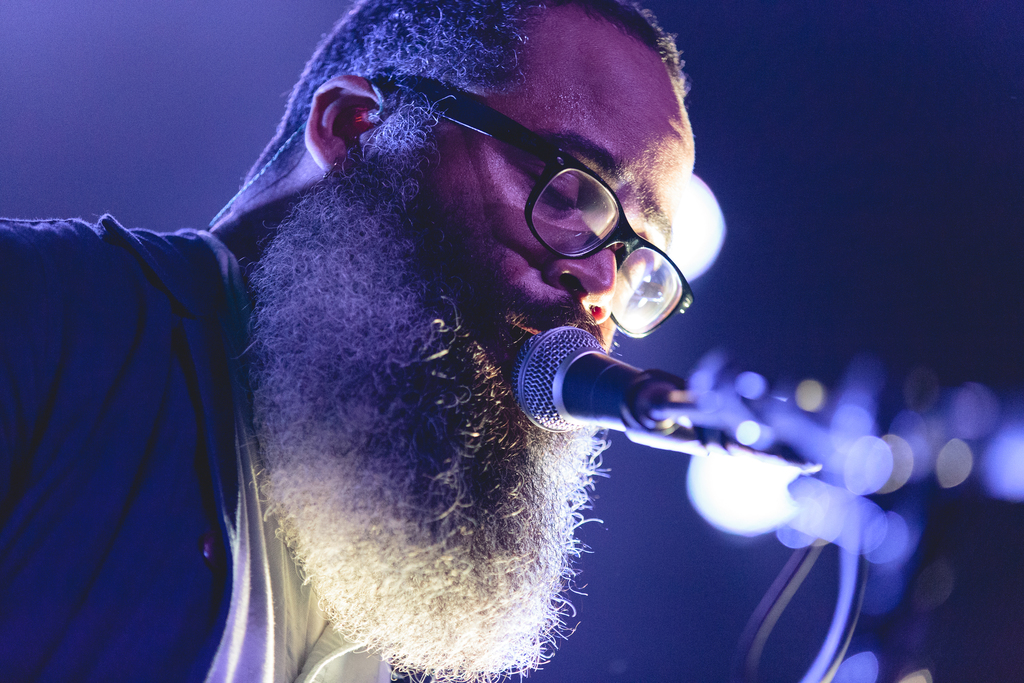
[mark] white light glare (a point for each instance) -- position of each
(743, 493)
(698, 230)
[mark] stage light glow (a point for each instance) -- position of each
(698, 230)
(1002, 469)
(922, 676)
(859, 668)
(868, 465)
(751, 385)
(810, 395)
(953, 464)
(741, 493)
(902, 463)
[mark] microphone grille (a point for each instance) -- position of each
(533, 377)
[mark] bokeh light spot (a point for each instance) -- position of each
(896, 545)
(922, 676)
(874, 525)
(934, 585)
(953, 464)
(859, 668)
(912, 428)
(748, 432)
(1003, 467)
(791, 538)
(868, 465)
(810, 395)
(852, 419)
(822, 508)
(902, 463)
(751, 385)
(974, 411)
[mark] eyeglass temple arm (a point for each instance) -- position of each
(460, 108)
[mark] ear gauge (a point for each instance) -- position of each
(352, 124)
(361, 120)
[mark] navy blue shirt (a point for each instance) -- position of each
(116, 431)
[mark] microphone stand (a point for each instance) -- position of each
(656, 409)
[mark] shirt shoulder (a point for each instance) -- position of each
(51, 258)
(81, 304)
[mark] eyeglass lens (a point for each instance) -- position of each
(575, 213)
(647, 290)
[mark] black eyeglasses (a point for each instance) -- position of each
(573, 212)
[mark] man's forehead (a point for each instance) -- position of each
(585, 74)
(604, 96)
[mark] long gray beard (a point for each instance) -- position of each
(434, 522)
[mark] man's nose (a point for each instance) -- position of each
(590, 279)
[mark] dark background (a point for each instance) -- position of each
(868, 157)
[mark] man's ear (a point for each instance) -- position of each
(338, 116)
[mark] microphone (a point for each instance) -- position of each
(564, 380)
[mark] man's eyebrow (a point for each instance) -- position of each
(660, 220)
(578, 145)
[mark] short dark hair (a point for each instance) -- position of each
(463, 43)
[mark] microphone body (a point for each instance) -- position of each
(563, 380)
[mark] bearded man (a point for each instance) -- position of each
(288, 450)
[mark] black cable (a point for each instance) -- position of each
(852, 582)
(768, 611)
(853, 577)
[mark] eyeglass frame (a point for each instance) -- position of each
(461, 108)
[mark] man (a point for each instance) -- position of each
(378, 500)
